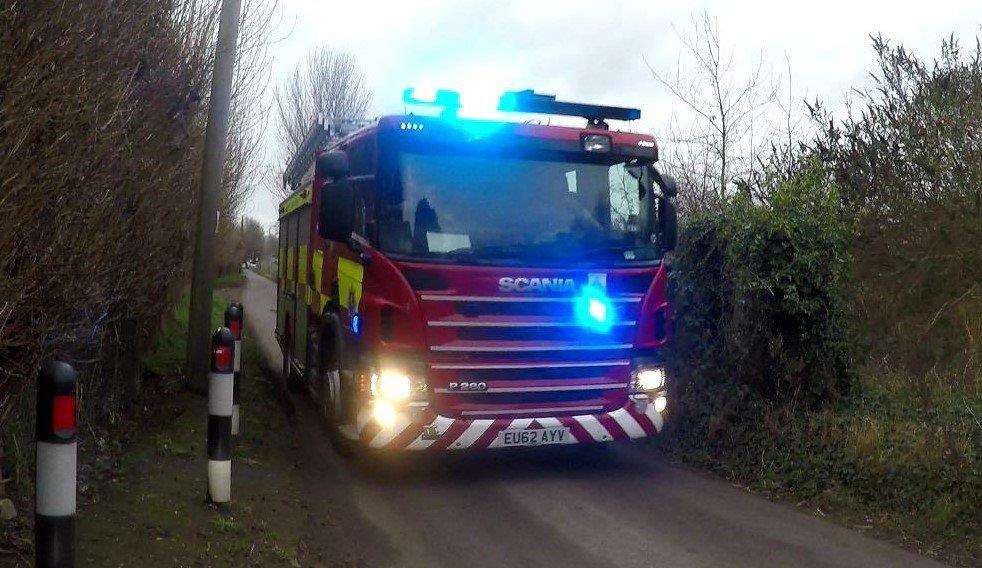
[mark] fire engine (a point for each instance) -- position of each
(449, 283)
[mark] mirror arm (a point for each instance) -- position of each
(656, 179)
(360, 246)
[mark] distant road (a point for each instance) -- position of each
(611, 506)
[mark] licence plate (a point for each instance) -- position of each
(534, 437)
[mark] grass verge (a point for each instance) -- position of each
(141, 491)
(147, 505)
(168, 354)
(233, 280)
(890, 461)
(266, 272)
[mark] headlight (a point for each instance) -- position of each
(384, 413)
(391, 384)
(649, 379)
(660, 403)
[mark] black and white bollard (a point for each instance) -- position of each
(54, 502)
(233, 321)
(220, 385)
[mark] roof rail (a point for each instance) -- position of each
(530, 101)
(322, 132)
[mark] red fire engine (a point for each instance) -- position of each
(447, 283)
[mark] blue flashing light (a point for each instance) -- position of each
(356, 324)
(594, 309)
(508, 102)
(478, 129)
(446, 100)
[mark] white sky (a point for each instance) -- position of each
(592, 51)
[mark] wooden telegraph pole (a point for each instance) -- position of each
(203, 269)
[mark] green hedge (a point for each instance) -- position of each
(765, 391)
(758, 291)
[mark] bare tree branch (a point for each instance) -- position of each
(718, 145)
(328, 84)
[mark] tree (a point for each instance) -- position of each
(717, 146)
(908, 162)
(328, 84)
(253, 237)
(95, 229)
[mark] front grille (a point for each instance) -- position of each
(526, 356)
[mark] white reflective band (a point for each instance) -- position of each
(520, 423)
(56, 479)
(220, 394)
(628, 423)
(441, 424)
(386, 434)
(235, 420)
(237, 364)
(220, 481)
(593, 427)
(471, 434)
(654, 416)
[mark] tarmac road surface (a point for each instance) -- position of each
(609, 505)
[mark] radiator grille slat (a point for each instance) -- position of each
(528, 355)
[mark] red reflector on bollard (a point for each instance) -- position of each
(63, 415)
(223, 358)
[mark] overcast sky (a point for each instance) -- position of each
(595, 51)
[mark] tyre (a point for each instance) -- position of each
(312, 365)
(329, 384)
(293, 383)
(290, 375)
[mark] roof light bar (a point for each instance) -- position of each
(530, 101)
(448, 101)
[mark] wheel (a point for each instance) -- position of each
(329, 384)
(312, 364)
(293, 383)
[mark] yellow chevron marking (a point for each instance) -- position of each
(350, 276)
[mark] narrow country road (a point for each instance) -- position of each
(620, 505)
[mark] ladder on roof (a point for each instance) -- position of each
(322, 132)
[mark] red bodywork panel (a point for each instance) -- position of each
(525, 349)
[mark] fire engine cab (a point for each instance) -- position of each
(448, 283)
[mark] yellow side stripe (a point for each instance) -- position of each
(302, 265)
(297, 200)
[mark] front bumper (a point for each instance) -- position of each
(433, 432)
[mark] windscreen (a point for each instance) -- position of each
(499, 210)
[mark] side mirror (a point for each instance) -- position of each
(669, 187)
(337, 211)
(668, 224)
(333, 164)
(336, 218)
